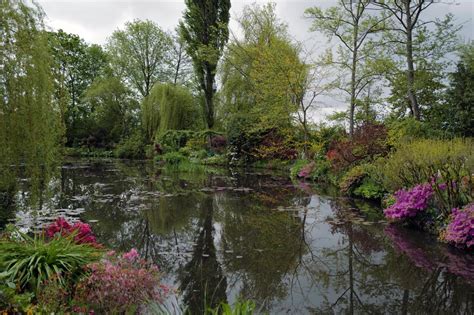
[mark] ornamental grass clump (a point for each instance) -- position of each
(27, 261)
(410, 203)
(460, 230)
(120, 284)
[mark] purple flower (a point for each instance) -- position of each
(410, 202)
(460, 230)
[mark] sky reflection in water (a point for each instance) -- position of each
(223, 236)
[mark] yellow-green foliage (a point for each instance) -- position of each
(418, 161)
(30, 104)
(263, 75)
(170, 107)
(408, 129)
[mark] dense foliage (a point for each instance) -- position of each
(63, 268)
(405, 139)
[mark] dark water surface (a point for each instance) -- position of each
(220, 235)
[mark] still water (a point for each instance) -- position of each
(227, 235)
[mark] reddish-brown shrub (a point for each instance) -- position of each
(369, 140)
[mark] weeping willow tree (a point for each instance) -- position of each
(30, 106)
(170, 107)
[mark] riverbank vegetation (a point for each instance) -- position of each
(203, 95)
(409, 121)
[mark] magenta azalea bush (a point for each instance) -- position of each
(82, 231)
(409, 203)
(460, 230)
(120, 284)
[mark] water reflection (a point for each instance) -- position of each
(222, 236)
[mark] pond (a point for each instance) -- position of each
(227, 235)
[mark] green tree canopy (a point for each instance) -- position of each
(140, 54)
(262, 73)
(76, 66)
(30, 114)
(170, 107)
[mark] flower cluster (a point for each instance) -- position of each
(82, 231)
(410, 202)
(460, 230)
(119, 283)
(305, 172)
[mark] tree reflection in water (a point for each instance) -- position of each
(222, 236)
(202, 280)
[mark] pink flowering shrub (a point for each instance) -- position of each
(83, 232)
(409, 203)
(460, 230)
(306, 171)
(119, 284)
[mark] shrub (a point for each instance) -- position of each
(307, 170)
(359, 181)
(80, 232)
(409, 203)
(368, 141)
(218, 143)
(132, 147)
(447, 164)
(408, 129)
(460, 230)
(352, 179)
(53, 297)
(296, 168)
(369, 189)
(29, 261)
(174, 158)
(119, 284)
(216, 160)
(274, 145)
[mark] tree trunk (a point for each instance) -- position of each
(209, 94)
(415, 111)
(353, 79)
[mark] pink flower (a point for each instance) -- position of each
(132, 255)
(84, 234)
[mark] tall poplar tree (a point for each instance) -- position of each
(205, 30)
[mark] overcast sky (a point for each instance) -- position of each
(95, 20)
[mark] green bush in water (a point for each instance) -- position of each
(369, 190)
